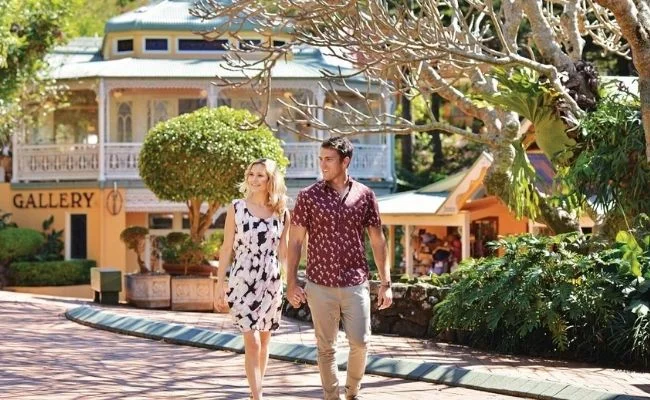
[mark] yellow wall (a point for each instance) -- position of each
(508, 224)
(31, 206)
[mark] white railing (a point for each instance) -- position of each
(56, 162)
(303, 159)
(81, 161)
(370, 161)
(121, 160)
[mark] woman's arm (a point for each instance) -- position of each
(225, 253)
(284, 246)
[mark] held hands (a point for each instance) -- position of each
(296, 295)
(385, 297)
(220, 295)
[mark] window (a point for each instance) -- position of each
(161, 221)
(124, 122)
(201, 45)
(186, 106)
(77, 122)
(156, 44)
(125, 45)
(245, 44)
(279, 43)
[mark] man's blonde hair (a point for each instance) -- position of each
(276, 187)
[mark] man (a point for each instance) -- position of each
(334, 213)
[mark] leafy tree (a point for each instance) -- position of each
(133, 238)
(201, 157)
(29, 29)
(483, 43)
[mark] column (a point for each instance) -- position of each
(391, 247)
(102, 106)
(213, 95)
(320, 114)
(408, 251)
(320, 103)
(465, 241)
(15, 153)
(390, 160)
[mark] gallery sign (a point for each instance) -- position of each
(53, 200)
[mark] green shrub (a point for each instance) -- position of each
(50, 273)
(19, 242)
(545, 295)
(134, 239)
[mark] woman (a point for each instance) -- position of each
(256, 229)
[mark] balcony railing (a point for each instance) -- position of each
(81, 161)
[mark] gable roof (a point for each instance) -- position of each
(171, 15)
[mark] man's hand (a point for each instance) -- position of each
(385, 297)
(296, 295)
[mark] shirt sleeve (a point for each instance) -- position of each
(301, 215)
(372, 211)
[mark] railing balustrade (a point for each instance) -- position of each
(81, 161)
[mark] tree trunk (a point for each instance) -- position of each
(644, 92)
(436, 141)
(407, 140)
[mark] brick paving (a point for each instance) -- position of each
(292, 331)
(45, 356)
(574, 373)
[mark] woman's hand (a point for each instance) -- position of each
(220, 295)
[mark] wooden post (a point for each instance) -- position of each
(391, 247)
(408, 250)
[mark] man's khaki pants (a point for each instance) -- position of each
(328, 305)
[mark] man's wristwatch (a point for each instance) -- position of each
(385, 284)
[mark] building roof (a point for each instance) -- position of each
(170, 15)
(81, 58)
(426, 200)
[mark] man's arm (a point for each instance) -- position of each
(295, 293)
(379, 250)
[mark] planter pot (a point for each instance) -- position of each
(192, 293)
(148, 290)
(196, 270)
(217, 308)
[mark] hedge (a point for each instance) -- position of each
(50, 273)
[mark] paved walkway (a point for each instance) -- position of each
(292, 331)
(589, 376)
(45, 356)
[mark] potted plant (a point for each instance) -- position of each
(198, 159)
(146, 288)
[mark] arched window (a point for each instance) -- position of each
(124, 122)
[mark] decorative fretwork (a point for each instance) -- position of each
(81, 161)
(122, 160)
(57, 162)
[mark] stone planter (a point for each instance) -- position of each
(148, 290)
(196, 270)
(218, 309)
(192, 293)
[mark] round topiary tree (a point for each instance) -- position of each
(201, 157)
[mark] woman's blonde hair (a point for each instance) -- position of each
(277, 188)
